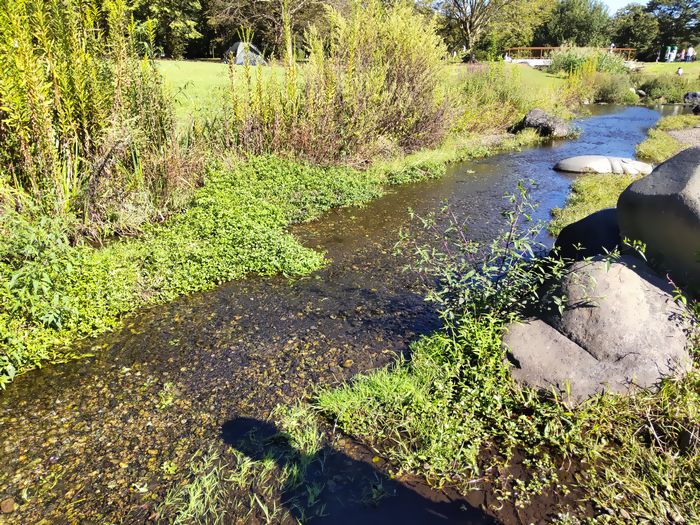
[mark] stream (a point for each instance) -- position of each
(86, 437)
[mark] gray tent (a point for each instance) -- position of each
(241, 53)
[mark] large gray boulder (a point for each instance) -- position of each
(663, 211)
(603, 164)
(620, 329)
(596, 234)
(546, 125)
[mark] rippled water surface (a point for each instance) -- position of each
(94, 427)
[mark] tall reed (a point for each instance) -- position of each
(81, 112)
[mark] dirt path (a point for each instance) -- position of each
(688, 137)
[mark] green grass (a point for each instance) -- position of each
(678, 122)
(589, 193)
(200, 86)
(691, 69)
(532, 79)
(658, 146)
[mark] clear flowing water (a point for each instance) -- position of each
(85, 432)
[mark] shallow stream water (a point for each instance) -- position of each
(86, 436)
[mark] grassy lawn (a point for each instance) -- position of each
(199, 86)
(669, 68)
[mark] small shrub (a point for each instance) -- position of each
(614, 89)
(668, 88)
(572, 59)
(374, 82)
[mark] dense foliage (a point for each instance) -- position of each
(375, 85)
(73, 133)
(53, 293)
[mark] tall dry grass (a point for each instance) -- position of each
(372, 85)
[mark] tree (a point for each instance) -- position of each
(176, 22)
(515, 25)
(578, 22)
(634, 27)
(263, 18)
(471, 18)
(679, 21)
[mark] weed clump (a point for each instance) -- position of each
(372, 86)
(74, 135)
(571, 59)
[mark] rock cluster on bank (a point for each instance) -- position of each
(621, 327)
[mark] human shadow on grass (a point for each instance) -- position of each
(329, 487)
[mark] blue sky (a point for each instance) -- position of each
(614, 5)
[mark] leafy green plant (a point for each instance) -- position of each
(614, 88)
(571, 59)
(504, 280)
(491, 98)
(668, 88)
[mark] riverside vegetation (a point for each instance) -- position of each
(106, 208)
(180, 212)
(453, 414)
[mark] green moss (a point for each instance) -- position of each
(589, 193)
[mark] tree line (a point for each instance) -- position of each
(471, 28)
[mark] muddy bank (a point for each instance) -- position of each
(88, 440)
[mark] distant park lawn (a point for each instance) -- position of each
(201, 85)
(669, 68)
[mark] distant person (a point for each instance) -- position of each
(507, 58)
(690, 54)
(658, 55)
(612, 47)
(681, 57)
(679, 71)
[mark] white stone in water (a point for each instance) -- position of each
(603, 164)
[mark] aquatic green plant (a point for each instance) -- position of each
(55, 293)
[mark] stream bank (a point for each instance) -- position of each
(89, 439)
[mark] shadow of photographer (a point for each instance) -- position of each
(329, 487)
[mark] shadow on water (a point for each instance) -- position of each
(352, 491)
(85, 433)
